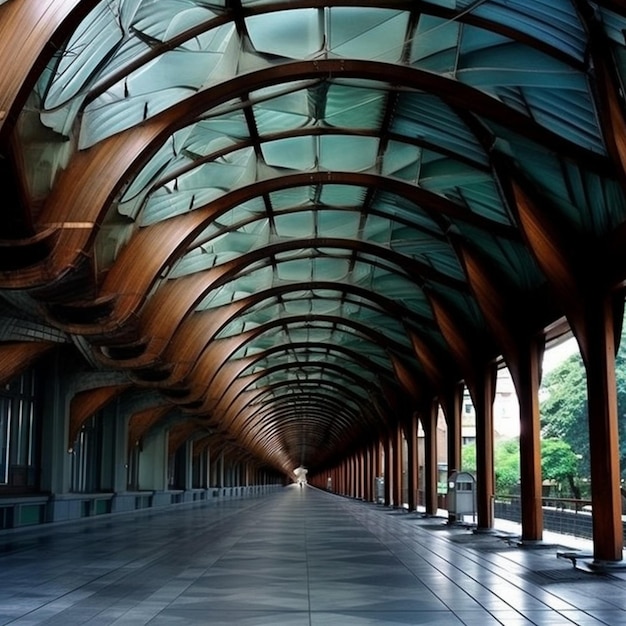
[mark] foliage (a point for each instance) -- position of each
(506, 463)
(558, 460)
(564, 412)
(560, 464)
(468, 458)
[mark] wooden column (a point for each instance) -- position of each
(388, 473)
(359, 475)
(528, 375)
(429, 423)
(452, 405)
(397, 466)
(412, 461)
(581, 283)
(366, 473)
(599, 359)
(377, 467)
(483, 393)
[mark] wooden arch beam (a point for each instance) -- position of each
(186, 338)
(128, 284)
(17, 356)
(93, 177)
(211, 372)
(86, 403)
(31, 32)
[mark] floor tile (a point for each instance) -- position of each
(295, 558)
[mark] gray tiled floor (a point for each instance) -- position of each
(300, 557)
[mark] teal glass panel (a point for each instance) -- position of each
(482, 198)
(199, 186)
(346, 153)
(402, 160)
(300, 225)
(434, 44)
(351, 106)
(367, 33)
(297, 270)
(329, 269)
(88, 47)
(403, 210)
(161, 83)
(342, 195)
(553, 22)
(427, 118)
(296, 34)
(592, 202)
(615, 26)
(377, 230)
(239, 216)
(510, 257)
(288, 198)
(297, 153)
(197, 260)
(571, 114)
(550, 21)
(338, 223)
(278, 111)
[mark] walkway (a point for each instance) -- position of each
(299, 557)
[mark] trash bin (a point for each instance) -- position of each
(462, 494)
(379, 489)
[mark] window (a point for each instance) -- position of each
(18, 433)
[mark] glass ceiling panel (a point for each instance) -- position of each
(310, 357)
(278, 111)
(510, 257)
(434, 44)
(195, 187)
(429, 118)
(342, 195)
(299, 225)
(292, 197)
(345, 153)
(362, 348)
(296, 153)
(288, 270)
(199, 186)
(594, 203)
(338, 223)
(404, 210)
(615, 26)
(270, 311)
(160, 83)
(367, 33)
(118, 34)
(345, 105)
(295, 34)
(552, 21)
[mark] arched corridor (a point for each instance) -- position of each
(240, 237)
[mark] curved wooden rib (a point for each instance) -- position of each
(30, 33)
(142, 421)
(85, 403)
(85, 189)
(17, 357)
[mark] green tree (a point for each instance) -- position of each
(564, 412)
(506, 464)
(468, 458)
(560, 464)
